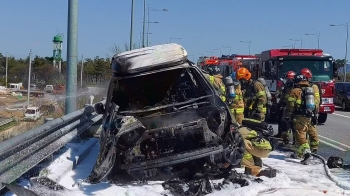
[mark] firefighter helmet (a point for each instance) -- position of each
(307, 73)
(213, 70)
(290, 75)
(243, 73)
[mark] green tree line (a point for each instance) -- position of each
(95, 70)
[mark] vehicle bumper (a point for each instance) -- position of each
(174, 159)
(327, 108)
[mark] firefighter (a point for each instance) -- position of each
(215, 78)
(314, 142)
(236, 104)
(254, 95)
(283, 128)
(300, 109)
(256, 147)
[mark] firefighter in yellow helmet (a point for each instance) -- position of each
(300, 110)
(254, 95)
(234, 99)
(215, 79)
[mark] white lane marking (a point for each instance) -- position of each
(341, 115)
(334, 146)
(344, 145)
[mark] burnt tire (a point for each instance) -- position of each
(236, 147)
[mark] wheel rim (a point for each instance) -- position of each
(236, 146)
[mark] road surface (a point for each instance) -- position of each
(334, 135)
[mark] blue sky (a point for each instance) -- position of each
(202, 25)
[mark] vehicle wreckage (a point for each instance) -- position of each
(162, 119)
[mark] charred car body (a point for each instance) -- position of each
(161, 118)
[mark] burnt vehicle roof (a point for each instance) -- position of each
(179, 66)
(148, 58)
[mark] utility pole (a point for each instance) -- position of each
(144, 23)
(81, 71)
(6, 67)
(131, 23)
(72, 57)
(29, 75)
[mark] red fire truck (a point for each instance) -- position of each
(213, 60)
(250, 62)
(274, 63)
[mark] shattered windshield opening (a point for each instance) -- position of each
(157, 89)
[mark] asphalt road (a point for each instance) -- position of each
(334, 136)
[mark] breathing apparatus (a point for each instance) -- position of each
(267, 91)
(230, 88)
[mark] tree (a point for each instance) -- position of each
(115, 49)
(340, 62)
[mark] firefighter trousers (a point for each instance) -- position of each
(254, 152)
(239, 118)
(303, 127)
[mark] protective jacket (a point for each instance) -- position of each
(216, 81)
(294, 103)
(237, 104)
(255, 97)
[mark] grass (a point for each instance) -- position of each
(15, 128)
(8, 125)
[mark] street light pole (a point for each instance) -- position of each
(247, 42)
(29, 75)
(148, 18)
(298, 40)
(131, 23)
(346, 45)
(318, 38)
(144, 23)
(148, 24)
(6, 69)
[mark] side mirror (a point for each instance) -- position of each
(99, 108)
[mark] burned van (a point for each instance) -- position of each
(162, 118)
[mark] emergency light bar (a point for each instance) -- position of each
(296, 52)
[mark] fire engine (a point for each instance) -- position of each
(250, 62)
(274, 63)
(228, 64)
(207, 61)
